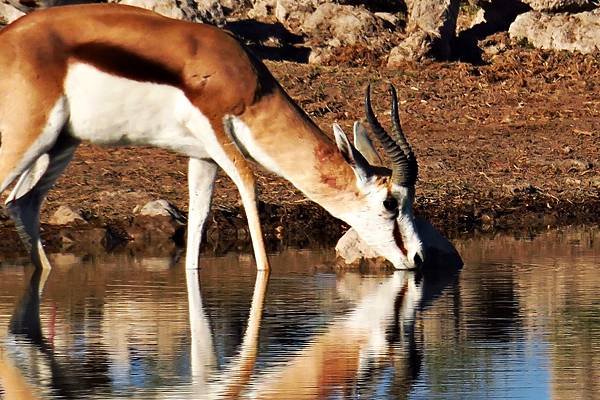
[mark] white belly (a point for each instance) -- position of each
(111, 110)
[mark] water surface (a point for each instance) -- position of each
(520, 320)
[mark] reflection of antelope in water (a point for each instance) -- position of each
(375, 338)
(354, 349)
(371, 344)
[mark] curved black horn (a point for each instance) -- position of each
(400, 163)
(401, 141)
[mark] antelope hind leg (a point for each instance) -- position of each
(25, 200)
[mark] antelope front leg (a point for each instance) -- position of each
(248, 194)
(233, 162)
(201, 179)
(244, 179)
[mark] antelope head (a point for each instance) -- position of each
(386, 223)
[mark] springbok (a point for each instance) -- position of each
(120, 75)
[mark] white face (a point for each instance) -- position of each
(386, 223)
(385, 219)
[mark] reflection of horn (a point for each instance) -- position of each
(25, 319)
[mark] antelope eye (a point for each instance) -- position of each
(390, 204)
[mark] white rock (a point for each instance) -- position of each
(352, 249)
(431, 29)
(65, 215)
(572, 32)
(560, 5)
(8, 14)
(192, 10)
(346, 23)
(161, 208)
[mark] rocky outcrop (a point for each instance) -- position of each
(327, 25)
(561, 5)
(326, 31)
(8, 14)
(431, 30)
(209, 11)
(572, 32)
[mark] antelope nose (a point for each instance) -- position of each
(418, 261)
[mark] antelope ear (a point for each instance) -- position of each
(361, 167)
(364, 144)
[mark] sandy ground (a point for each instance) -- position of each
(511, 145)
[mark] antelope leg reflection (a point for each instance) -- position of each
(29, 342)
(203, 358)
(237, 373)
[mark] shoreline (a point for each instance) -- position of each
(298, 226)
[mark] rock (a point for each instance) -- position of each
(157, 221)
(348, 24)
(326, 25)
(289, 12)
(83, 239)
(209, 11)
(413, 48)
(561, 5)
(31, 5)
(575, 32)
(65, 215)
(9, 13)
(496, 15)
(574, 165)
(431, 30)
(352, 250)
(392, 19)
(161, 208)
(236, 5)
(573, 182)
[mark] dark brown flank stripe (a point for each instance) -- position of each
(121, 62)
